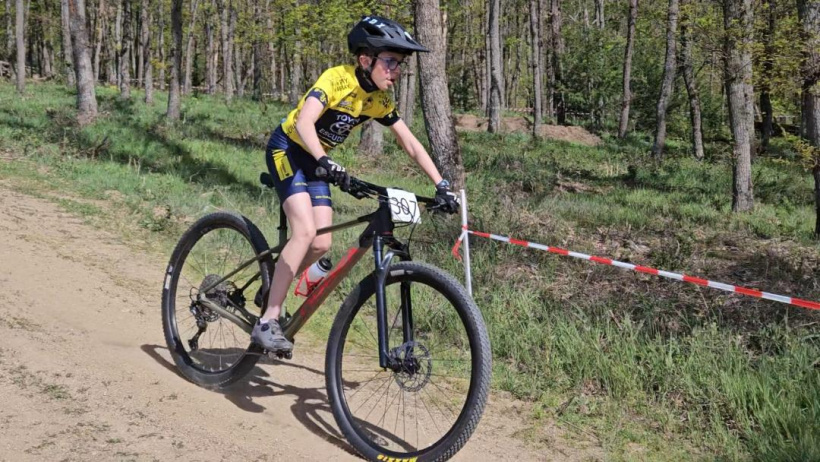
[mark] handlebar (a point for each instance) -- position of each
(358, 187)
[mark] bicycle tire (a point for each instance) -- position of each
(359, 432)
(222, 227)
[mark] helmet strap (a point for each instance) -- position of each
(363, 75)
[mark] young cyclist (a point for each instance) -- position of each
(343, 98)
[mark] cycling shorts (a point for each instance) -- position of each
(293, 170)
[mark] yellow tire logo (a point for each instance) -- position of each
(393, 459)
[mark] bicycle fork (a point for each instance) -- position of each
(382, 262)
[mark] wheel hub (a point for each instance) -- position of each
(412, 365)
(218, 295)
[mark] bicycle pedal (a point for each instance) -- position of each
(280, 354)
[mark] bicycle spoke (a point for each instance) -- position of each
(438, 380)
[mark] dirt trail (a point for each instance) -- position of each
(84, 373)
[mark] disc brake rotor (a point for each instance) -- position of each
(416, 365)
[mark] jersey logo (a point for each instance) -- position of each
(341, 129)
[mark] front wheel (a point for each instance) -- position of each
(427, 404)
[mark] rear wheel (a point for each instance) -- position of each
(209, 349)
(427, 404)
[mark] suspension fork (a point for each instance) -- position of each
(382, 262)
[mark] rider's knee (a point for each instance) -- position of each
(305, 233)
(321, 244)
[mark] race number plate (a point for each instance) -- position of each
(404, 208)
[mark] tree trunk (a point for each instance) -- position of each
(19, 30)
(689, 80)
(496, 76)
(372, 141)
(84, 72)
(737, 21)
(434, 96)
(149, 77)
(9, 31)
(227, 65)
(145, 37)
(189, 50)
(147, 53)
(632, 19)
(411, 78)
(405, 80)
(766, 110)
(163, 58)
(600, 20)
(125, 51)
(296, 89)
(535, 32)
(556, 83)
(66, 55)
(296, 73)
(668, 84)
(485, 80)
(102, 19)
(118, 43)
(111, 53)
(816, 174)
(211, 60)
(257, 56)
(176, 57)
(238, 55)
(809, 14)
(239, 60)
(274, 88)
(281, 71)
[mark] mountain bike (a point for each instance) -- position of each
(408, 360)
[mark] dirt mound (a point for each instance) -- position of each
(471, 123)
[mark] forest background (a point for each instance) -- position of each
(709, 115)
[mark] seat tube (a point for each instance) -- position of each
(381, 308)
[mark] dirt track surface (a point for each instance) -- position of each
(85, 374)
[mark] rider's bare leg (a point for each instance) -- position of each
(299, 211)
(322, 217)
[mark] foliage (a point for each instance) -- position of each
(678, 371)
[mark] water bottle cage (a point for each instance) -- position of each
(309, 285)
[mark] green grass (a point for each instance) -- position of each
(647, 368)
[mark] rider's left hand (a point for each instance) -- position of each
(446, 200)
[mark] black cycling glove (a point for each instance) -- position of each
(446, 200)
(335, 172)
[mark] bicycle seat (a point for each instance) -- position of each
(266, 179)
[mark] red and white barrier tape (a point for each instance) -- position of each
(641, 269)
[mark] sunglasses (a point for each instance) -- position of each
(392, 63)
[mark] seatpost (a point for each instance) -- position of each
(283, 225)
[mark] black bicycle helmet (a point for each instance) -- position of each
(377, 33)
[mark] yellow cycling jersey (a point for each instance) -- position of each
(346, 105)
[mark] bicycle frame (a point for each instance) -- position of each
(378, 234)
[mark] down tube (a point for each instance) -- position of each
(323, 290)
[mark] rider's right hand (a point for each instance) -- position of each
(336, 172)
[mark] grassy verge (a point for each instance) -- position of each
(647, 368)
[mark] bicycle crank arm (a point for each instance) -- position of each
(243, 324)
